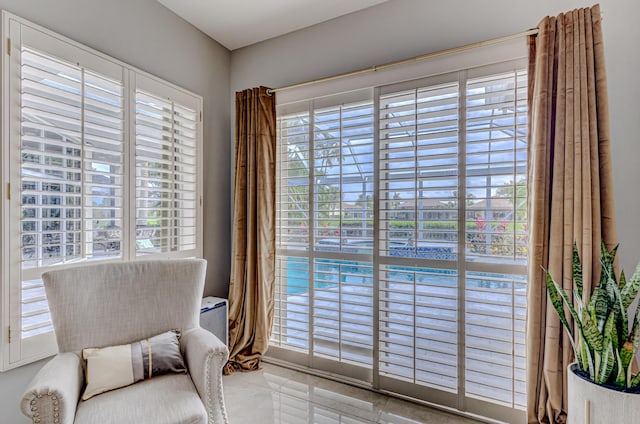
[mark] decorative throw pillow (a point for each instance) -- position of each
(112, 367)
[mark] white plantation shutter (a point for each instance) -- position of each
(324, 298)
(343, 171)
(71, 175)
(496, 167)
(453, 198)
(495, 306)
(154, 174)
(343, 193)
(186, 196)
(419, 172)
(343, 307)
(418, 326)
(293, 176)
(73, 185)
(419, 221)
(51, 171)
(291, 306)
(103, 171)
(440, 174)
(167, 198)
(496, 233)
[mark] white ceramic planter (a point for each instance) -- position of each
(593, 404)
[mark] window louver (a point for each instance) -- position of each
(71, 173)
(496, 233)
(343, 307)
(418, 325)
(343, 173)
(419, 220)
(291, 306)
(292, 209)
(166, 172)
(323, 304)
(419, 173)
(343, 290)
(495, 337)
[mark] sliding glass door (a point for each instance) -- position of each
(402, 238)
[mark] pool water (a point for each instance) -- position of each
(327, 273)
(330, 272)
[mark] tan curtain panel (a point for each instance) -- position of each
(570, 189)
(254, 230)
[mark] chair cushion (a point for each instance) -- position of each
(167, 399)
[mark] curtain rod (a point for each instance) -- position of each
(375, 68)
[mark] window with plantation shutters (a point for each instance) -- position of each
(71, 177)
(402, 238)
(101, 163)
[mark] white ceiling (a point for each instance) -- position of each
(239, 23)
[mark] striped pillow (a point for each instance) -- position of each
(113, 367)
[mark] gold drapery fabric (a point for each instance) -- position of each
(252, 281)
(570, 189)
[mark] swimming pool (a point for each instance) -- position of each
(330, 272)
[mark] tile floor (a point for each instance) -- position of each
(279, 395)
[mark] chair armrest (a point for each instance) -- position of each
(205, 355)
(52, 395)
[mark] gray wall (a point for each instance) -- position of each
(146, 35)
(400, 29)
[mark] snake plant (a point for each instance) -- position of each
(603, 343)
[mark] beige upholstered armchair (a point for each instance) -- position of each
(117, 304)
